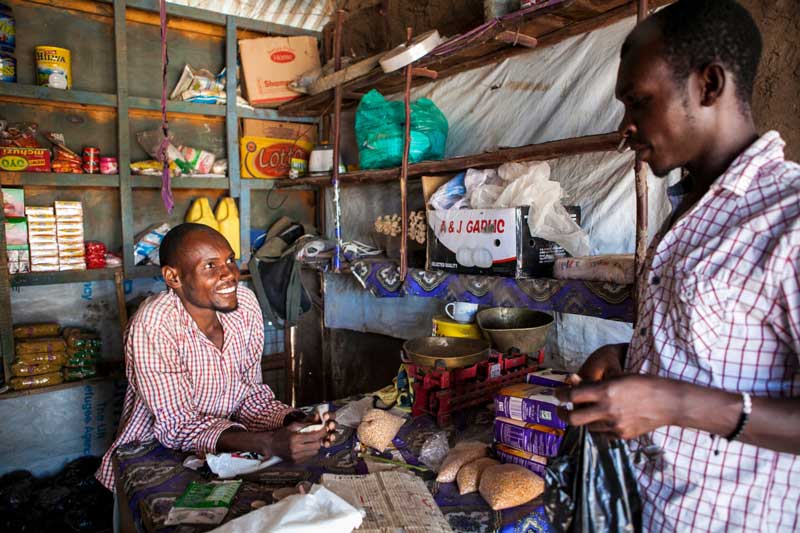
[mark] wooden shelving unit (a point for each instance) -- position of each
(125, 18)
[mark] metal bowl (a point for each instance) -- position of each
(446, 352)
(514, 327)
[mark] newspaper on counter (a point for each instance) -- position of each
(392, 500)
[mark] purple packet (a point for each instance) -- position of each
(532, 438)
(535, 463)
(529, 403)
(547, 377)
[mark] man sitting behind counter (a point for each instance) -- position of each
(193, 362)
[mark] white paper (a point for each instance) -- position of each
(320, 510)
(227, 465)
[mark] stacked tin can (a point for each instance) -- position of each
(8, 34)
(91, 160)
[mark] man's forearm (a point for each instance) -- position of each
(773, 423)
(235, 439)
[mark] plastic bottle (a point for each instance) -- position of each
(200, 213)
(228, 218)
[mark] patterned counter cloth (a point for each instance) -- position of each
(593, 298)
(154, 476)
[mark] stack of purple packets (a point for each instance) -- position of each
(527, 429)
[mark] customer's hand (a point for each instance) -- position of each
(291, 445)
(329, 421)
(604, 363)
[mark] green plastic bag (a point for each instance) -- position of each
(379, 131)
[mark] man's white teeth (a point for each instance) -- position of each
(229, 290)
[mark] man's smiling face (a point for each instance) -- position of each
(208, 272)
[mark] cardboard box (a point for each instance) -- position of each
(16, 231)
(14, 203)
(271, 63)
(267, 147)
(493, 242)
(15, 159)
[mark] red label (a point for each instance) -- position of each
(274, 160)
(282, 56)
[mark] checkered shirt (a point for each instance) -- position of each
(182, 390)
(721, 308)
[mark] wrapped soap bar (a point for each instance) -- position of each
(43, 345)
(21, 368)
(33, 382)
(532, 438)
(535, 463)
(29, 331)
(56, 358)
(529, 403)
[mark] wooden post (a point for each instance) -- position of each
(640, 177)
(119, 280)
(404, 169)
(337, 125)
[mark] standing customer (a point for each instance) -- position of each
(709, 386)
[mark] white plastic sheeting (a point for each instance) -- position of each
(566, 90)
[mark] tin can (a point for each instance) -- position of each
(108, 165)
(91, 160)
(8, 29)
(8, 65)
(53, 67)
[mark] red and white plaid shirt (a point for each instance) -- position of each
(721, 308)
(182, 390)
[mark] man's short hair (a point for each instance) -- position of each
(170, 251)
(697, 32)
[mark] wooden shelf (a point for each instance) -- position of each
(269, 114)
(51, 179)
(533, 152)
(549, 24)
(257, 184)
(70, 96)
(176, 107)
(68, 276)
(61, 386)
(154, 182)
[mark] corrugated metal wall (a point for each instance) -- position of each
(307, 14)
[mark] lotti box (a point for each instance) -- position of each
(494, 242)
(267, 147)
(271, 63)
(16, 159)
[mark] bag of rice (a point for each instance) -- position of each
(504, 486)
(463, 453)
(470, 474)
(378, 428)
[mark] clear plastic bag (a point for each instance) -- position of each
(591, 487)
(434, 450)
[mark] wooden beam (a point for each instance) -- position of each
(420, 72)
(515, 38)
(606, 142)
(446, 65)
(325, 83)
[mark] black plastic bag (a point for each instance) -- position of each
(591, 487)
